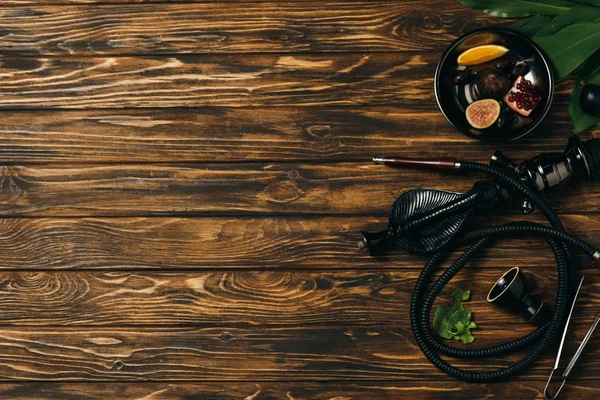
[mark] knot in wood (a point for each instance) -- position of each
(319, 131)
(226, 336)
(284, 191)
(432, 22)
(11, 187)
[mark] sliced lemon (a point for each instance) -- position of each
(481, 54)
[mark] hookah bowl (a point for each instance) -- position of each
(511, 290)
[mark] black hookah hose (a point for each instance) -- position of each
(422, 299)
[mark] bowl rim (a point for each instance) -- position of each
(499, 29)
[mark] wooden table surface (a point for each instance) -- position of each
(183, 185)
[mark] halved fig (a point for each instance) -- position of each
(522, 97)
(483, 113)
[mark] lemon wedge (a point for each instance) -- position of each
(481, 54)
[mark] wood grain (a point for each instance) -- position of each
(246, 27)
(251, 134)
(182, 187)
(328, 243)
(217, 80)
(225, 189)
(320, 353)
(257, 390)
(260, 298)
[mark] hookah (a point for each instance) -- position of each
(427, 221)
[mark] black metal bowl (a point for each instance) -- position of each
(453, 99)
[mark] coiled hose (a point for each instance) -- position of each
(422, 299)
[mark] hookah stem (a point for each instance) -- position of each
(422, 299)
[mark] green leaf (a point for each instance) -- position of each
(530, 26)
(457, 329)
(519, 8)
(440, 322)
(570, 47)
(589, 74)
(454, 322)
(579, 13)
(456, 307)
(461, 294)
(592, 2)
(466, 338)
(462, 316)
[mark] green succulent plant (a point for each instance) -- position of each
(455, 322)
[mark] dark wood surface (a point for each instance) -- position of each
(183, 184)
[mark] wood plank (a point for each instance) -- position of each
(259, 298)
(238, 189)
(241, 354)
(399, 79)
(425, 390)
(238, 243)
(218, 80)
(236, 27)
(250, 134)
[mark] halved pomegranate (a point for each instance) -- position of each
(522, 97)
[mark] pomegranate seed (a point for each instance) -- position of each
(525, 97)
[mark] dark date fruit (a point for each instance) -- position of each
(507, 118)
(520, 69)
(492, 83)
(501, 122)
(521, 121)
(510, 120)
(589, 99)
(505, 63)
(462, 77)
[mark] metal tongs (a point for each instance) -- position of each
(571, 364)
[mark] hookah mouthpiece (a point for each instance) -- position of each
(433, 163)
